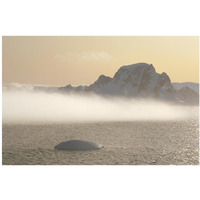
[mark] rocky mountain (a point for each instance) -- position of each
(191, 85)
(188, 96)
(139, 81)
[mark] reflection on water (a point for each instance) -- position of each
(125, 143)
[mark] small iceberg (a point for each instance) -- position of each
(77, 145)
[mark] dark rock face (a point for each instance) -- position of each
(102, 80)
(77, 145)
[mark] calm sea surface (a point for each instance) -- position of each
(125, 143)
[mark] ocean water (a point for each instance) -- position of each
(125, 143)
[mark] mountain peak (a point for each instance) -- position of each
(137, 65)
(138, 80)
(134, 69)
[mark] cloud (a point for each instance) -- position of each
(30, 106)
(17, 87)
(84, 56)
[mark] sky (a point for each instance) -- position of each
(62, 60)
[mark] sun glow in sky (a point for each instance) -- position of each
(81, 60)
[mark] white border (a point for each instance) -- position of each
(99, 18)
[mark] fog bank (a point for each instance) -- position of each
(23, 106)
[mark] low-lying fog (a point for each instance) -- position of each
(25, 105)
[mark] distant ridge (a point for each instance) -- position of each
(191, 85)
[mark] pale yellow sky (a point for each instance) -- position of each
(80, 60)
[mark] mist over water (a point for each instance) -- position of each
(136, 132)
(26, 105)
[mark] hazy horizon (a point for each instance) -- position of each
(60, 85)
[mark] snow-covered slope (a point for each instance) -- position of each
(191, 85)
(137, 80)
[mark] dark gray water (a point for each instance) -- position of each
(125, 143)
